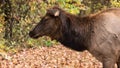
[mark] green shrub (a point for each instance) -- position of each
(115, 3)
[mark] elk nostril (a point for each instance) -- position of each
(31, 34)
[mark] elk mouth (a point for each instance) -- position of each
(34, 36)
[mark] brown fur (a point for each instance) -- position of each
(98, 33)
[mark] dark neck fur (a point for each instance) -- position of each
(78, 35)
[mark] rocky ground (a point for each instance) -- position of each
(49, 57)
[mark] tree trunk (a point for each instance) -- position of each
(8, 20)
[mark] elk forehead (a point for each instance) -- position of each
(46, 17)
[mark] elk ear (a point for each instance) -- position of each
(54, 12)
(57, 13)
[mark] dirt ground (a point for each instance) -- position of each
(56, 56)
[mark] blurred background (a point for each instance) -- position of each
(18, 17)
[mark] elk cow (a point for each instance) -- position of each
(98, 33)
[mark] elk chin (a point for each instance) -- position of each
(54, 37)
(34, 36)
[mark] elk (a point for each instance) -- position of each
(98, 33)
